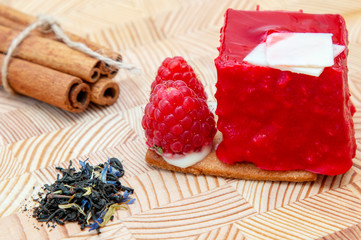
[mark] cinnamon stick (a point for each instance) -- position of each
(52, 54)
(17, 17)
(110, 72)
(50, 86)
(10, 24)
(104, 92)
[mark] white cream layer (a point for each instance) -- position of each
(190, 159)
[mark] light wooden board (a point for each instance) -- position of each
(36, 137)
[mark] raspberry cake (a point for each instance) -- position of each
(283, 102)
(180, 128)
(282, 92)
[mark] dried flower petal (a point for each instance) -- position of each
(69, 205)
(131, 201)
(111, 210)
(104, 173)
(88, 191)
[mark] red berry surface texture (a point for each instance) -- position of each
(176, 120)
(177, 68)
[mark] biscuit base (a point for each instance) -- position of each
(211, 165)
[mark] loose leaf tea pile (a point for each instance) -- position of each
(90, 196)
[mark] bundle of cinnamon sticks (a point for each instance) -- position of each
(48, 70)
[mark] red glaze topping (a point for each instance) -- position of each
(282, 120)
(244, 30)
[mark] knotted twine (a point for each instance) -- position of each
(48, 24)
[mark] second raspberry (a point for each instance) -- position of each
(177, 68)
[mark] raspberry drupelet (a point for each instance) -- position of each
(177, 68)
(177, 121)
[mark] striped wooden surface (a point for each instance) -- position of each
(36, 137)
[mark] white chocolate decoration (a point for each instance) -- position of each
(299, 49)
(303, 70)
(190, 159)
(259, 57)
(337, 49)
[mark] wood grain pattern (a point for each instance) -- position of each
(36, 137)
(265, 196)
(229, 231)
(310, 218)
(200, 213)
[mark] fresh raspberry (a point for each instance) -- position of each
(178, 69)
(176, 120)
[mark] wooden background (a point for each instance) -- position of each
(36, 137)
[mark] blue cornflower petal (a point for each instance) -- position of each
(111, 182)
(99, 220)
(84, 202)
(104, 173)
(131, 201)
(126, 194)
(83, 165)
(95, 224)
(114, 171)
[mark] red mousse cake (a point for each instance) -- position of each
(283, 101)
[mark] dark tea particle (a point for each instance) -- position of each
(89, 197)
